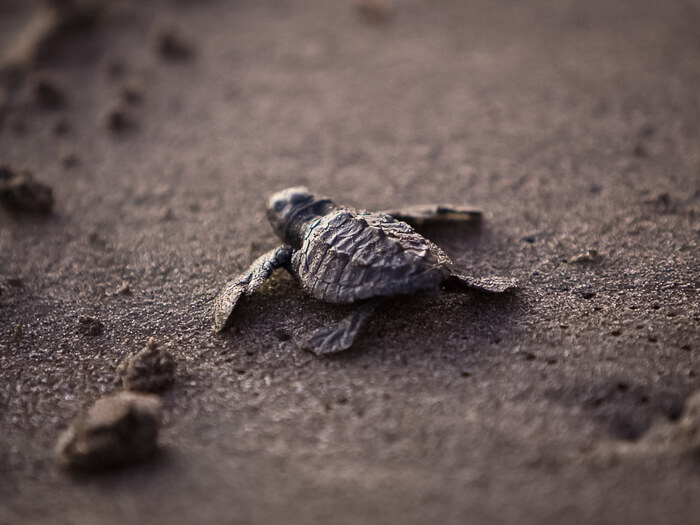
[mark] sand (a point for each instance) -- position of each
(573, 125)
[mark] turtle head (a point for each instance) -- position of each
(285, 208)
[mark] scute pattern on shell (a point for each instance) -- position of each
(350, 255)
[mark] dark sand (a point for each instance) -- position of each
(575, 125)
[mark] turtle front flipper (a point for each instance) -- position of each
(340, 336)
(247, 283)
(459, 282)
(429, 214)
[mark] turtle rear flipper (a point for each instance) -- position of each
(459, 282)
(247, 283)
(428, 214)
(340, 336)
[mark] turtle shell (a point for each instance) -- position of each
(348, 255)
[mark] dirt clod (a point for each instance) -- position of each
(114, 431)
(69, 157)
(47, 94)
(116, 67)
(640, 151)
(660, 200)
(123, 289)
(90, 326)
(119, 118)
(69, 160)
(587, 257)
(374, 12)
(681, 438)
(61, 127)
(19, 192)
(686, 435)
(151, 369)
(15, 282)
(132, 91)
(172, 45)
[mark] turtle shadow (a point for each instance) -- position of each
(31, 220)
(106, 477)
(458, 322)
(450, 327)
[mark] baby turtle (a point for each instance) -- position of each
(343, 255)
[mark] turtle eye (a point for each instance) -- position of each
(298, 198)
(279, 205)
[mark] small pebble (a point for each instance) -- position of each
(116, 430)
(95, 238)
(151, 369)
(90, 326)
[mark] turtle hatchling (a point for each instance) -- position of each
(343, 255)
